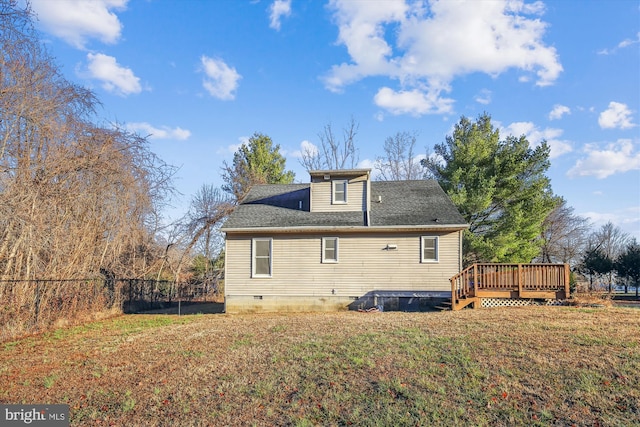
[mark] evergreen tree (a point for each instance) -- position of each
(257, 161)
(595, 264)
(611, 241)
(628, 265)
(499, 186)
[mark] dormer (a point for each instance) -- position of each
(343, 190)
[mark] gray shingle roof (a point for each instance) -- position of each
(412, 203)
(402, 203)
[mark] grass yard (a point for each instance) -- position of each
(497, 367)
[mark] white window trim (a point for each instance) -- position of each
(344, 183)
(253, 256)
(324, 245)
(429, 260)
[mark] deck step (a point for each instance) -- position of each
(462, 303)
(444, 306)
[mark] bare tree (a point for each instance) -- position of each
(611, 241)
(333, 153)
(205, 204)
(77, 198)
(564, 236)
(209, 208)
(400, 162)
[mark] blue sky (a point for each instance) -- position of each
(200, 77)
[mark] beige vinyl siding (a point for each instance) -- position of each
(364, 265)
(321, 196)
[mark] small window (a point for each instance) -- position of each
(261, 258)
(339, 191)
(429, 249)
(329, 249)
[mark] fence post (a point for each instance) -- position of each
(130, 283)
(36, 305)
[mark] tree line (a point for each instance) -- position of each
(81, 198)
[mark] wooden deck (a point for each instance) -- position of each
(539, 281)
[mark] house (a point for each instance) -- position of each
(338, 240)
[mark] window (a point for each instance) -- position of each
(339, 191)
(261, 258)
(329, 249)
(429, 249)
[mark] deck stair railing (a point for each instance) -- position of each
(489, 280)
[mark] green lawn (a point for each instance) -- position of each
(514, 366)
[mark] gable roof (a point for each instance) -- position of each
(403, 204)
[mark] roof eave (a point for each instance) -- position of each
(340, 172)
(355, 229)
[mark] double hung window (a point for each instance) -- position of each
(339, 191)
(329, 249)
(429, 249)
(262, 259)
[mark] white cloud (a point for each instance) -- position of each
(307, 148)
(483, 97)
(535, 137)
(559, 111)
(114, 77)
(221, 81)
(163, 132)
(617, 116)
(278, 9)
(624, 43)
(361, 30)
(76, 21)
(629, 42)
(414, 102)
(229, 149)
(424, 50)
(617, 157)
(366, 164)
(232, 148)
(627, 219)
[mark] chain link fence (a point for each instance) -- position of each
(28, 306)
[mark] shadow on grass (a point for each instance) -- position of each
(188, 308)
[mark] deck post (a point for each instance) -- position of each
(475, 278)
(519, 279)
(453, 293)
(567, 280)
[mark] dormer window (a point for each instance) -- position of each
(339, 193)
